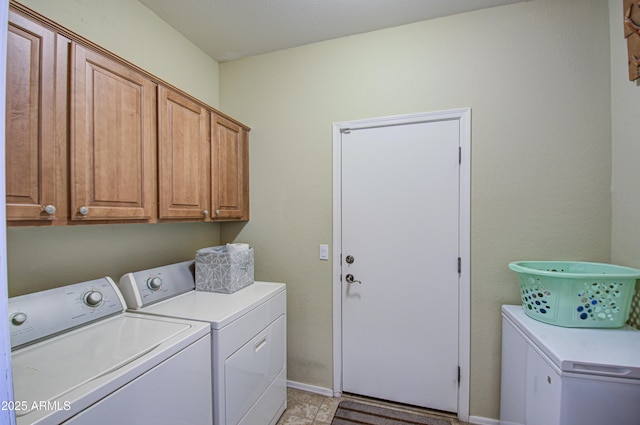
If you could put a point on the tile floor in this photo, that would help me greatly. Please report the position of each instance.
(305, 408)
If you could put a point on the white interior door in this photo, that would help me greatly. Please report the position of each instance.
(400, 225)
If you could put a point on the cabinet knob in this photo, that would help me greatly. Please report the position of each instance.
(217, 212)
(205, 213)
(50, 209)
(84, 210)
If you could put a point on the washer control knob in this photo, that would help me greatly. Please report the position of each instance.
(154, 283)
(18, 319)
(93, 298)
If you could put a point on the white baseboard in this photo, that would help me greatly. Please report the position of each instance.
(478, 420)
(310, 388)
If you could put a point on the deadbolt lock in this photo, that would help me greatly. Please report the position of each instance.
(349, 259)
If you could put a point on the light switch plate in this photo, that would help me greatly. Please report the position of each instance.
(324, 252)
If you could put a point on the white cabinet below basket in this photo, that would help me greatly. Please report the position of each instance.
(543, 389)
(567, 376)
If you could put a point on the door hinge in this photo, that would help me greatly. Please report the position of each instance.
(459, 375)
(459, 265)
(459, 154)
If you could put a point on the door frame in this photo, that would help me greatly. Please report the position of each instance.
(463, 116)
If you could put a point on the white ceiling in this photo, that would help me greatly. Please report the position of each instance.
(231, 29)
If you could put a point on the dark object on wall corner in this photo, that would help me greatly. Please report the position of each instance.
(632, 34)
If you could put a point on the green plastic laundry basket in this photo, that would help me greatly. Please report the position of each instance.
(576, 294)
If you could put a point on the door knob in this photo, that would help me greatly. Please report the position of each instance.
(350, 279)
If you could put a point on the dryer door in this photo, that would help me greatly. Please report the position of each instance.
(250, 370)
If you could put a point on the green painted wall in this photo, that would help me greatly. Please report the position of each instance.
(625, 104)
(536, 75)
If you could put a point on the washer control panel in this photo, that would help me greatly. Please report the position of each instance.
(41, 315)
(150, 286)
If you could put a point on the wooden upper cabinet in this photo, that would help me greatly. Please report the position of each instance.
(229, 170)
(183, 157)
(92, 138)
(113, 140)
(30, 122)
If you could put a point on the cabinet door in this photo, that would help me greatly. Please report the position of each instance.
(113, 140)
(230, 170)
(543, 391)
(30, 121)
(513, 378)
(183, 157)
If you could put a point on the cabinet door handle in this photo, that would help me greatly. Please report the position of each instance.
(260, 345)
(205, 213)
(84, 211)
(50, 209)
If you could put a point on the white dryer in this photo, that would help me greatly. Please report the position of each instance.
(248, 329)
(78, 358)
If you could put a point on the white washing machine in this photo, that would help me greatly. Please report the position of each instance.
(248, 329)
(78, 358)
(567, 376)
